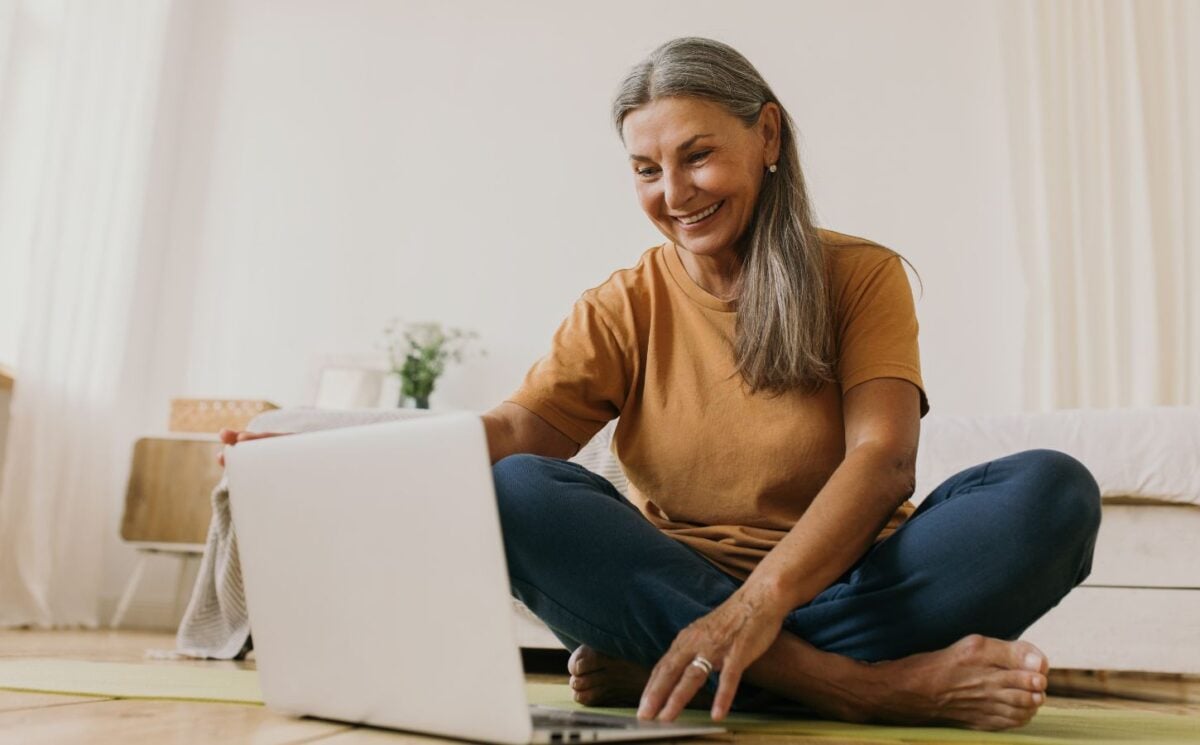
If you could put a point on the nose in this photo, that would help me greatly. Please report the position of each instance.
(677, 189)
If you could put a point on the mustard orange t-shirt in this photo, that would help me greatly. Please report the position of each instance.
(723, 471)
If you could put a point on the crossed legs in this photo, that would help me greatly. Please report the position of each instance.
(920, 629)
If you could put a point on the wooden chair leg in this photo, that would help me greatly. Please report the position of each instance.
(130, 588)
(180, 581)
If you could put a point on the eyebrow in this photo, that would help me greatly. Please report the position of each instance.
(684, 146)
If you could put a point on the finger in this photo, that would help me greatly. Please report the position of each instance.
(731, 676)
(228, 436)
(663, 678)
(650, 702)
(246, 436)
(691, 681)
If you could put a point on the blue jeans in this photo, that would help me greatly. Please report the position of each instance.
(988, 552)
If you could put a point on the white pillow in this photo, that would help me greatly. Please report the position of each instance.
(597, 456)
(1150, 454)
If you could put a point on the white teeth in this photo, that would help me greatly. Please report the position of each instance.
(697, 218)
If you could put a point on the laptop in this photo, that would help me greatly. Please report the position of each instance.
(377, 587)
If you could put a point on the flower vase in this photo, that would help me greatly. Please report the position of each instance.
(413, 402)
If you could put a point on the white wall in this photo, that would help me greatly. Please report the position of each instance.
(344, 162)
(5, 401)
(335, 164)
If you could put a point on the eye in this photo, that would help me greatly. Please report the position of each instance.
(647, 172)
(699, 156)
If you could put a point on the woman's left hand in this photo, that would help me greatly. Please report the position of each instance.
(731, 637)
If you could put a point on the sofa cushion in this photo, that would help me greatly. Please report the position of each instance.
(1140, 546)
(597, 456)
(1149, 454)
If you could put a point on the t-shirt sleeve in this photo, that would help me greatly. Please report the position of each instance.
(877, 324)
(583, 381)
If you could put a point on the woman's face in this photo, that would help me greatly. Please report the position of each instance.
(698, 169)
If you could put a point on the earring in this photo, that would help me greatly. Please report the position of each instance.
(772, 168)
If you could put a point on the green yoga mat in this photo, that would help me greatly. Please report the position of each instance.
(162, 680)
(199, 683)
(1051, 725)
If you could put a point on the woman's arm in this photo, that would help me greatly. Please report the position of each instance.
(513, 429)
(882, 421)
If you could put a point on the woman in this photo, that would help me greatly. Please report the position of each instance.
(768, 385)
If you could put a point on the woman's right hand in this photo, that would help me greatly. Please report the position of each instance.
(233, 437)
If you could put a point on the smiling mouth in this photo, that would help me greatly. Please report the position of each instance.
(699, 217)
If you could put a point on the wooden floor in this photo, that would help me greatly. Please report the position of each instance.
(34, 718)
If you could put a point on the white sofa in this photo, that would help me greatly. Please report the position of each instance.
(1140, 608)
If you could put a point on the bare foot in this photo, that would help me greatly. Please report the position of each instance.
(977, 682)
(599, 680)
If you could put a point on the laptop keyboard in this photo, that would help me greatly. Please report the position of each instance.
(547, 719)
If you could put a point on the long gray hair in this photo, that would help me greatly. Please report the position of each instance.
(784, 334)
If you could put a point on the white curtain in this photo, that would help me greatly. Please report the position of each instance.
(78, 106)
(1104, 102)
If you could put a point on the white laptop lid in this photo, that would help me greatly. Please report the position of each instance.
(375, 577)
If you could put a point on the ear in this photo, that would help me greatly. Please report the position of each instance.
(768, 128)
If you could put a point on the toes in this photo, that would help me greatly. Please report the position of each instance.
(1019, 655)
(1000, 716)
(586, 698)
(581, 683)
(593, 697)
(1022, 680)
(584, 660)
(995, 724)
(1029, 657)
(1017, 715)
(1020, 699)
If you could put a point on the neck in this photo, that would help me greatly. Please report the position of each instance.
(717, 274)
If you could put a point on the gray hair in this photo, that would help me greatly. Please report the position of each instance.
(785, 331)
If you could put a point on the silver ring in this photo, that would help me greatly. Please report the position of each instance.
(703, 664)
